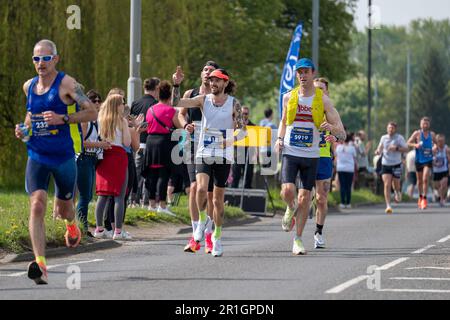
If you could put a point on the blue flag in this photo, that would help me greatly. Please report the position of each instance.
(288, 78)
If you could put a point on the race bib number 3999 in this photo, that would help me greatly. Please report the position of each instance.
(302, 137)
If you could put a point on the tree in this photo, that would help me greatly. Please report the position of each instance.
(431, 93)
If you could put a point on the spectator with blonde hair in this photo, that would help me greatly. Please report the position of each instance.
(112, 173)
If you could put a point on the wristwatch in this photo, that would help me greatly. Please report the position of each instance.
(66, 119)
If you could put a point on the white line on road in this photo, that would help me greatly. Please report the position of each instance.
(355, 281)
(346, 285)
(434, 268)
(444, 239)
(20, 274)
(392, 264)
(414, 290)
(421, 279)
(424, 249)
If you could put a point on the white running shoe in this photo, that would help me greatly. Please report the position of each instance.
(217, 250)
(199, 233)
(165, 211)
(152, 209)
(122, 236)
(298, 248)
(288, 221)
(319, 243)
(103, 234)
(342, 206)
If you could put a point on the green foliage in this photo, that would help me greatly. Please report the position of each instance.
(248, 38)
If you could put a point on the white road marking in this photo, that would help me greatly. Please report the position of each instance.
(355, 281)
(346, 285)
(20, 274)
(444, 239)
(424, 249)
(421, 279)
(434, 268)
(414, 290)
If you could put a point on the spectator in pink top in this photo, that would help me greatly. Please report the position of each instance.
(162, 119)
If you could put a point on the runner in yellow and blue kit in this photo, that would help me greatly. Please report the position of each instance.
(324, 174)
(52, 121)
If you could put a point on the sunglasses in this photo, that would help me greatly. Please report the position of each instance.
(43, 58)
(245, 114)
(96, 101)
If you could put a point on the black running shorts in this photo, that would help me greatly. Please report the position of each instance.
(307, 167)
(218, 172)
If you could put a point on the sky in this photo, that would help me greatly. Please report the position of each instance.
(401, 12)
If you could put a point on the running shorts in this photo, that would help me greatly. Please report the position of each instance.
(307, 167)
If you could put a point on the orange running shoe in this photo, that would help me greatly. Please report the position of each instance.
(38, 273)
(208, 243)
(192, 246)
(424, 203)
(419, 203)
(72, 236)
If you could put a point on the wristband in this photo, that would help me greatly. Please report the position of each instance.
(185, 126)
(280, 138)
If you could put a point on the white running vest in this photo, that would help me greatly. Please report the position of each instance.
(440, 163)
(217, 125)
(302, 137)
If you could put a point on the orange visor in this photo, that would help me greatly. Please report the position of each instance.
(219, 74)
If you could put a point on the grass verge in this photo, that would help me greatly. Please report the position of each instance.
(14, 213)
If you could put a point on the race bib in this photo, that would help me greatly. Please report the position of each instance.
(323, 142)
(213, 138)
(439, 162)
(302, 137)
(427, 152)
(40, 128)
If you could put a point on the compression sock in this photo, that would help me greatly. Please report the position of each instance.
(41, 260)
(319, 229)
(217, 233)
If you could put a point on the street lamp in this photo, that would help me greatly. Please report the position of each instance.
(135, 81)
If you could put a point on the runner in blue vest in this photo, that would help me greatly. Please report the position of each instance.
(422, 140)
(52, 121)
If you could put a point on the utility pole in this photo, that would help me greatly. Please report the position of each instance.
(135, 81)
(369, 76)
(408, 92)
(316, 24)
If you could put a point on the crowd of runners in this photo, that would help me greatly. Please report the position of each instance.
(130, 153)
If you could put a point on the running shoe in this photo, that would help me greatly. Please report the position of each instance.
(217, 250)
(123, 235)
(199, 233)
(208, 243)
(153, 209)
(192, 246)
(298, 249)
(105, 234)
(38, 273)
(419, 202)
(73, 236)
(424, 203)
(288, 221)
(319, 243)
(166, 211)
(389, 210)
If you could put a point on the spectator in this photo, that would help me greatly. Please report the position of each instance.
(161, 119)
(243, 158)
(265, 153)
(411, 172)
(346, 168)
(112, 173)
(140, 107)
(86, 162)
(362, 157)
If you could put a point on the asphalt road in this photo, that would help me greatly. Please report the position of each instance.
(410, 249)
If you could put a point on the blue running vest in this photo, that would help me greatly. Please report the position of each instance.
(425, 153)
(51, 145)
